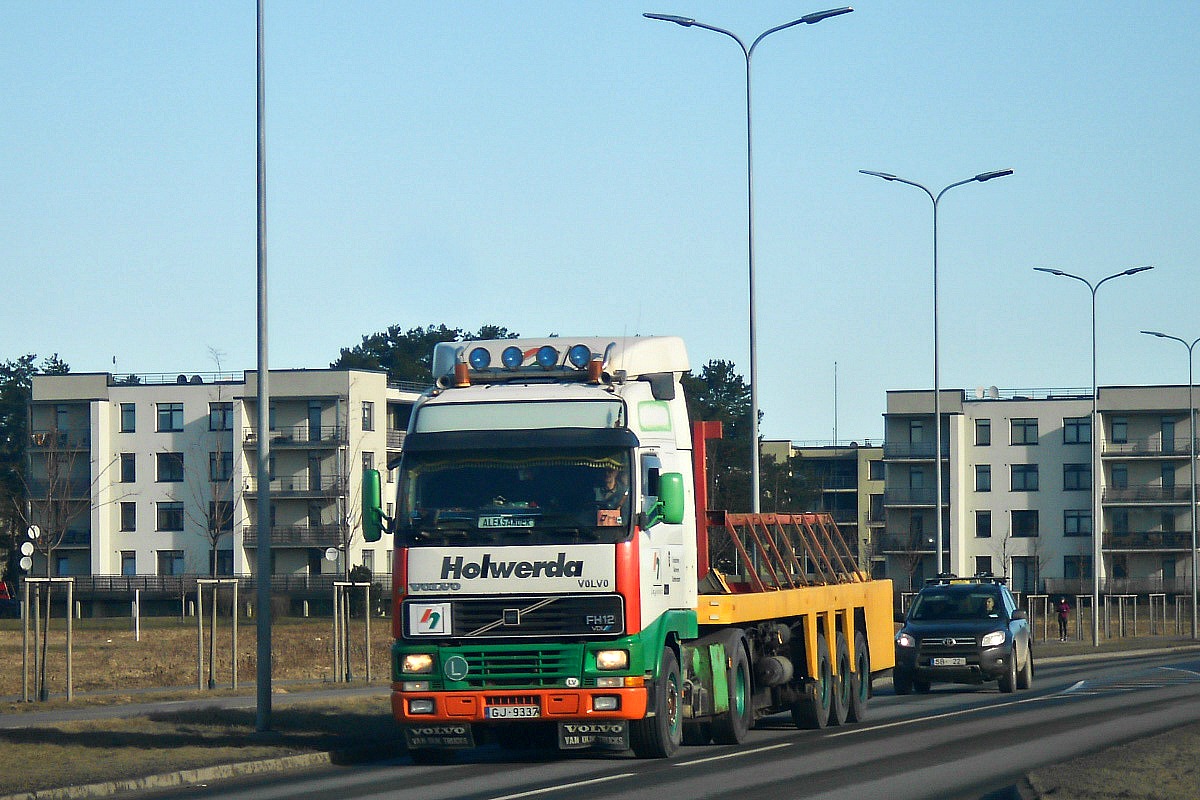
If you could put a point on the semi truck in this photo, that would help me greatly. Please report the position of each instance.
(558, 577)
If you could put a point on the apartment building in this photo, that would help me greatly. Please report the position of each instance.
(1017, 487)
(850, 480)
(157, 474)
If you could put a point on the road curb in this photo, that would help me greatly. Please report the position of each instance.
(188, 777)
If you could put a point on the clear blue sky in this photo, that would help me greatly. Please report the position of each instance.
(573, 168)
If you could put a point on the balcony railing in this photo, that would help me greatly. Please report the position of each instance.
(73, 490)
(913, 497)
(301, 486)
(1147, 540)
(395, 439)
(296, 536)
(1146, 494)
(913, 450)
(301, 436)
(904, 543)
(1148, 448)
(66, 439)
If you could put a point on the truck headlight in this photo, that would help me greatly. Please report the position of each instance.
(612, 659)
(417, 663)
(905, 640)
(992, 639)
(606, 703)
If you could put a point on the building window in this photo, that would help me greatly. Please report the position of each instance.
(170, 417)
(128, 418)
(62, 566)
(1024, 430)
(1120, 476)
(1077, 430)
(983, 524)
(368, 560)
(1024, 478)
(170, 468)
(983, 432)
(170, 517)
(1024, 523)
(1120, 521)
(170, 562)
(983, 565)
(368, 415)
(220, 416)
(368, 460)
(1077, 477)
(983, 477)
(128, 468)
(916, 431)
(1077, 522)
(1120, 430)
(1168, 521)
(224, 562)
(875, 470)
(220, 466)
(220, 516)
(1076, 567)
(128, 562)
(128, 516)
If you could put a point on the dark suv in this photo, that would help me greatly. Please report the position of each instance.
(963, 630)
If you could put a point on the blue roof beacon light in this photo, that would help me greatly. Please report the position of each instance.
(579, 355)
(480, 358)
(547, 356)
(512, 357)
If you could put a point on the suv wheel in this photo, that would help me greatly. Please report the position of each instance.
(1008, 681)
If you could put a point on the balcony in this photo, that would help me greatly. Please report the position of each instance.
(301, 437)
(913, 451)
(395, 440)
(1146, 494)
(60, 440)
(295, 536)
(60, 490)
(300, 486)
(1148, 448)
(904, 543)
(921, 497)
(1147, 540)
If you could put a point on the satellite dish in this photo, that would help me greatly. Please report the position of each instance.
(27, 563)
(993, 393)
(331, 554)
(26, 548)
(978, 392)
(181, 378)
(33, 532)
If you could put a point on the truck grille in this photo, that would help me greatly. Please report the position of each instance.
(525, 617)
(521, 667)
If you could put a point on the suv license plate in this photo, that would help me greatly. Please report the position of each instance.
(949, 662)
(513, 712)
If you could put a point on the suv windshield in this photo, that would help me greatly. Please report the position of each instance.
(519, 495)
(932, 605)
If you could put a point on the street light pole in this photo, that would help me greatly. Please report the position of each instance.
(937, 389)
(748, 52)
(1191, 459)
(1097, 528)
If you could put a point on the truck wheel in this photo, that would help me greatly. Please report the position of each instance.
(812, 711)
(697, 733)
(1008, 681)
(842, 689)
(902, 682)
(661, 735)
(860, 681)
(732, 726)
(1025, 676)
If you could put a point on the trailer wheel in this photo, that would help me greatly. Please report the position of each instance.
(661, 735)
(732, 726)
(839, 707)
(860, 681)
(812, 711)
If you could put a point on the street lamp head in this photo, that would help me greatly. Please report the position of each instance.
(1050, 270)
(686, 22)
(887, 176)
(996, 173)
(817, 16)
(1156, 333)
(1135, 270)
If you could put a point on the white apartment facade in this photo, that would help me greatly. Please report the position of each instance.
(1017, 488)
(163, 469)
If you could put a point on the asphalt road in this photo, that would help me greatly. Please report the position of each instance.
(956, 742)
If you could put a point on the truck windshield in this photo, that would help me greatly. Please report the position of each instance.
(510, 496)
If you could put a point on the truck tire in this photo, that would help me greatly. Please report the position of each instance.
(1008, 681)
(661, 735)
(812, 711)
(839, 706)
(1025, 676)
(732, 726)
(860, 681)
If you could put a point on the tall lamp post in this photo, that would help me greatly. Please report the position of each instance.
(748, 52)
(1097, 532)
(1191, 458)
(937, 393)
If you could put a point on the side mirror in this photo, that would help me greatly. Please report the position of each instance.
(670, 496)
(372, 506)
(1020, 614)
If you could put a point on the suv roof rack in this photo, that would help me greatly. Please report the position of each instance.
(948, 578)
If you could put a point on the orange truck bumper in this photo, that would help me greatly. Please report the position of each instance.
(553, 704)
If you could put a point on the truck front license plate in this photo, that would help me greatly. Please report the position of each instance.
(513, 712)
(949, 662)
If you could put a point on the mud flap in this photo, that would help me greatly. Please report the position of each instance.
(453, 736)
(612, 735)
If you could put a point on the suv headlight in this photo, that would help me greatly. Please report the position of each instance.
(993, 639)
(905, 640)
